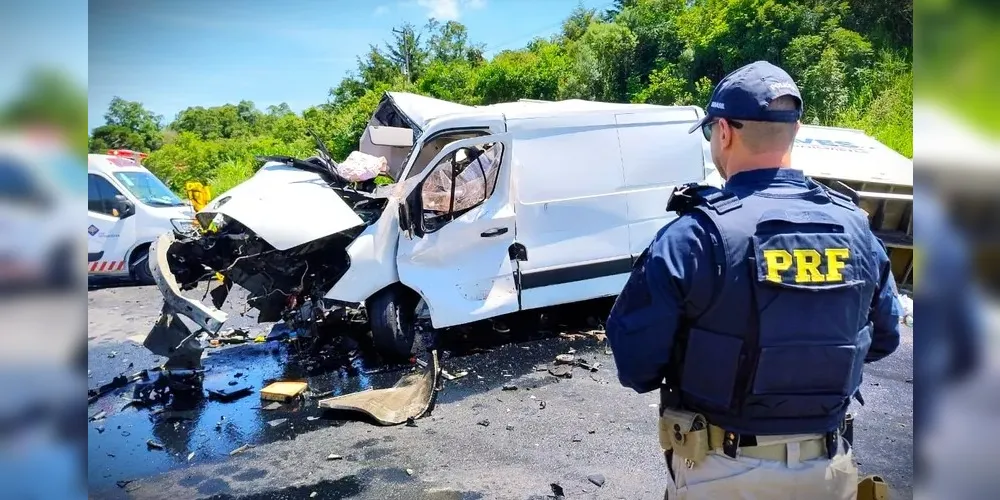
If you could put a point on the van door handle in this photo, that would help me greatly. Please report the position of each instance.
(497, 231)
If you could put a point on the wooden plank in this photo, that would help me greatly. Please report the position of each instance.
(283, 391)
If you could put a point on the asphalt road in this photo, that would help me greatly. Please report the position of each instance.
(546, 431)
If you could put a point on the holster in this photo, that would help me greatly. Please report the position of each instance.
(685, 433)
(873, 488)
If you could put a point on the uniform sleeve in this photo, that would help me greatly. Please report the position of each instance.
(670, 280)
(886, 310)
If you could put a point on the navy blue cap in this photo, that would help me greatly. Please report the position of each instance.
(745, 93)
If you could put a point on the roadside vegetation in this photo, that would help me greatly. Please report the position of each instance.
(852, 60)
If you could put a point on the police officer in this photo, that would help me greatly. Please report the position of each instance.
(755, 310)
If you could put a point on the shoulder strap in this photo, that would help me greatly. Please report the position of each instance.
(848, 199)
(693, 195)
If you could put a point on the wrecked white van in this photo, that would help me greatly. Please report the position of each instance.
(494, 209)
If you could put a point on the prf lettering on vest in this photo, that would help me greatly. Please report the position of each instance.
(807, 263)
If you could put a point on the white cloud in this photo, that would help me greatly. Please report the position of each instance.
(381, 10)
(449, 10)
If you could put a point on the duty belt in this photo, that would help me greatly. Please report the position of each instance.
(688, 435)
(733, 444)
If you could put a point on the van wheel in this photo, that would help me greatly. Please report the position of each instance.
(139, 267)
(391, 314)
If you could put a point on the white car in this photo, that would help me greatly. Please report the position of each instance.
(127, 208)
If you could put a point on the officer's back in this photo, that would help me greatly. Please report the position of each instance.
(755, 310)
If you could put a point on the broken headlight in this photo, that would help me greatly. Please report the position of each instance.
(186, 227)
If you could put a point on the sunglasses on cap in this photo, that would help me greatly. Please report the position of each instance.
(706, 129)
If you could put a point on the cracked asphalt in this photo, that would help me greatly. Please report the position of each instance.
(480, 441)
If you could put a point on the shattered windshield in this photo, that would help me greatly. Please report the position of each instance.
(148, 189)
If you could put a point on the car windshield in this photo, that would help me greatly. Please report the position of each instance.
(148, 189)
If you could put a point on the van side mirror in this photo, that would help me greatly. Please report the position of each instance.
(125, 207)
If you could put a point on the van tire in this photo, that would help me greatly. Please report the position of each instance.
(139, 267)
(391, 315)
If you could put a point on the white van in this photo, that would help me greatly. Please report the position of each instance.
(127, 208)
(551, 202)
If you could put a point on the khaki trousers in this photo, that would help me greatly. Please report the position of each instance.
(719, 477)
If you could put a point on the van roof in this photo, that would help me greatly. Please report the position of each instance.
(849, 154)
(111, 163)
(421, 110)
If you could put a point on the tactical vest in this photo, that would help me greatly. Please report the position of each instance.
(782, 347)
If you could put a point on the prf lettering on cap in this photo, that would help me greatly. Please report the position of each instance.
(807, 263)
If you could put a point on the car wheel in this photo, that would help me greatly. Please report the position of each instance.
(391, 314)
(139, 268)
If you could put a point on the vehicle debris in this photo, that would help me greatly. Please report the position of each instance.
(557, 490)
(509, 387)
(410, 397)
(587, 366)
(561, 371)
(510, 427)
(228, 394)
(272, 406)
(453, 376)
(283, 391)
(565, 358)
(97, 416)
(409, 472)
(484, 422)
(276, 422)
(576, 438)
(153, 445)
(241, 449)
(334, 456)
(597, 479)
(190, 456)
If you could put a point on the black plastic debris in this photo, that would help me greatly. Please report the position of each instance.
(557, 490)
(510, 427)
(232, 393)
(410, 422)
(122, 484)
(597, 479)
(541, 405)
(485, 422)
(509, 387)
(577, 439)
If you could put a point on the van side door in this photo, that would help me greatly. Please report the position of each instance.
(457, 229)
(658, 154)
(108, 230)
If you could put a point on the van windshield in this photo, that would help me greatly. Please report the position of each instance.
(148, 189)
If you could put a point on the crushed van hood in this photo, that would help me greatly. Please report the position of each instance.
(285, 206)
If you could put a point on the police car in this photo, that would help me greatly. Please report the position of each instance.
(127, 208)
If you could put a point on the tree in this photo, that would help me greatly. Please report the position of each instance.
(577, 23)
(448, 42)
(131, 125)
(405, 51)
(49, 99)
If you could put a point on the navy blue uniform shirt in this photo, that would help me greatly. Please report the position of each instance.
(679, 281)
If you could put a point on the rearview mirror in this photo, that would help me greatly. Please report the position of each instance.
(125, 207)
(390, 136)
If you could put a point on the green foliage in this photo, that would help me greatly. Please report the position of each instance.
(850, 58)
(49, 99)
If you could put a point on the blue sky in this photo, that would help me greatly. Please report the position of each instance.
(173, 54)
(51, 33)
